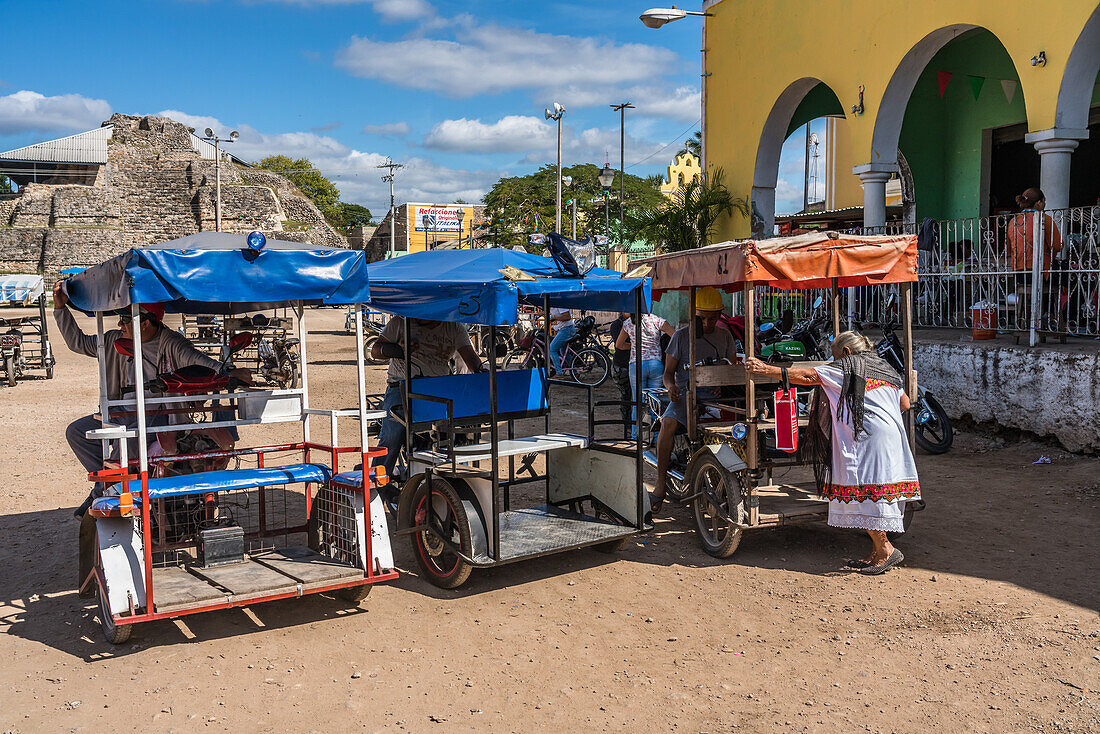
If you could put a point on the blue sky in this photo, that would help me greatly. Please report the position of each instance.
(456, 91)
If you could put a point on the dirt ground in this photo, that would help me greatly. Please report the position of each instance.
(990, 625)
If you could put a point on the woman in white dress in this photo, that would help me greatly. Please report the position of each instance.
(872, 472)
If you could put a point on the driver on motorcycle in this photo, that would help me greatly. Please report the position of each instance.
(163, 350)
(711, 344)
(433, 346)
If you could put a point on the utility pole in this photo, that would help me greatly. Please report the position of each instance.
(391, 166)
(212, 138)
(621, 109)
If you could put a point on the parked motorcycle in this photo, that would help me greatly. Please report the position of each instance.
(934, 432)
(278, 354)
(801, 341)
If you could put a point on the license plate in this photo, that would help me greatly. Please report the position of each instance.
(10, 340)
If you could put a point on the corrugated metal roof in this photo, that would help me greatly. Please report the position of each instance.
(86, 147)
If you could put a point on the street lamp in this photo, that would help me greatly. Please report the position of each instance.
(559, 110)
(606, 179)
(657, 17)
(212, 138)
(621, 109)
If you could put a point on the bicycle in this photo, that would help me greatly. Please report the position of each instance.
(584, 361)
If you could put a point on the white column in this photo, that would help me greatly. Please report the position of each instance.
(1055, 147)
(874, 177)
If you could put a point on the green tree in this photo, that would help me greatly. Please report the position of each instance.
(5, 185)
(520, 205)
(694, 145)
(353, 215)
(689, 219)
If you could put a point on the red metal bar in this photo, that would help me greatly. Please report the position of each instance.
(147, 540)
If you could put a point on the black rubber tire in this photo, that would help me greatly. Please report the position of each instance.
(514, 360)
(293, 381)
(438, 565)
(927, 438)
(590, 366)
(718, 537)
(49, 372)
(354, 594)
(9, 370)
(116, 634)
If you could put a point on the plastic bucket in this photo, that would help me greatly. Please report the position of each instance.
(983, 321)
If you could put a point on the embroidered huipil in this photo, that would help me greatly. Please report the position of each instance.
(874, 475)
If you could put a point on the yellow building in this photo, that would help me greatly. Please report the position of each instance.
(682, 170)
(963, 104)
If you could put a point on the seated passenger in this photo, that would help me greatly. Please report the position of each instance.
(433, 346)
(711, 344)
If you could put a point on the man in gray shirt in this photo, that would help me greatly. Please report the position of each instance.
(711, 344)
(162, 350)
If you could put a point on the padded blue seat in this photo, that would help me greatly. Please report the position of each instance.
(349, 478)
(219, 481)
(520, 394)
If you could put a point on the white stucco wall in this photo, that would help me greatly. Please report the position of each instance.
(1044, 391)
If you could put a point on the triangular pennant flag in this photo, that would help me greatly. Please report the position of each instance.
(943, 77)
(976, 83)
(1009, 87)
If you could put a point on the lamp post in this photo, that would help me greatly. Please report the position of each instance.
(556, 115)
(568, 181)
(621, 109)
(657, 17)
(212, 138)
(391, 166)
(606, 179)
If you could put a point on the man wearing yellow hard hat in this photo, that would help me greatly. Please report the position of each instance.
(711, 343)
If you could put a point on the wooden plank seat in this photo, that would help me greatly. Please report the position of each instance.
(214, 481)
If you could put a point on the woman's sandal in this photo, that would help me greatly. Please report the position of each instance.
(655, 502)
(895, 558)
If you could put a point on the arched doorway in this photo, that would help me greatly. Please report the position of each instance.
(955, 108)
(1078, 113)
(803, 100)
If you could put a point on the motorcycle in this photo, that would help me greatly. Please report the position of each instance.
(934, 432)
(278, 354)
(11, 352)
(802, 341)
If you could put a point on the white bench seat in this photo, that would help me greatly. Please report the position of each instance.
(473, 453)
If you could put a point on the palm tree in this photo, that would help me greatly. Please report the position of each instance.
(694, 145)
(689, 218)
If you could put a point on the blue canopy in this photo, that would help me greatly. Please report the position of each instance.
(216, 272)
(468, 286)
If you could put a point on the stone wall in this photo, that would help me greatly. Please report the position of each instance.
(1047, 392)
(155, 187)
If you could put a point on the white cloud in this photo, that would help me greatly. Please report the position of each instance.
(509, 134)
(353, 171)
(387, 128)
(491, 59)
(391, 11)
(27, 111)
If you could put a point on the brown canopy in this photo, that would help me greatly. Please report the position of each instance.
(803, 261)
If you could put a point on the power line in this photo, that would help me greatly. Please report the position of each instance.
(668, 145)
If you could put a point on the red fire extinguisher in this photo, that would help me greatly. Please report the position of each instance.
(786, 416)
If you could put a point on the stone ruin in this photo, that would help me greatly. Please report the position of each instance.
(154, 187)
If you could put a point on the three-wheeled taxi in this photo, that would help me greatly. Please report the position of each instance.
(466, 432)
(730, 478)
(24, 340)
(198, 520)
